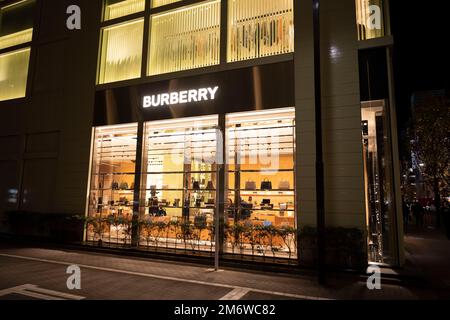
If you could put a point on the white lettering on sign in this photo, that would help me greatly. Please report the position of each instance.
(181, 97)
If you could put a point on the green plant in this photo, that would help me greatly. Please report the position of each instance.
(260, 239)
(172, 225)
(250, 234)
(235, 234)
(187, 232)
(288, 235)
(212, 234)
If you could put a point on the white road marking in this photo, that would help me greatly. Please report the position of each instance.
(155, 276)
(235, 294)
(34, 291)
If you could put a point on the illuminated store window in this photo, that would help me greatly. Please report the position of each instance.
(112, 184)
(121, 52)
(178, 195)
(379, 187)
(16, 31)
(119, 8)
(185, 38)
(160, 3)
(14, 74)
(370, 19)
(260, 207)
(259, 28)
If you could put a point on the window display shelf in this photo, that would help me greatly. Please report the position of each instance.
(114, 174)
(261, 171)
(116, 205)
(273, 192)
(115, 190)
(179, 172)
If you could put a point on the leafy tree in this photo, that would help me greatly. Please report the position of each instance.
(430, 139)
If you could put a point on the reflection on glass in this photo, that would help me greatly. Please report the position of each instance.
(259, 28)
(121, 52)
(112, 184)
(178, 194)
(185, 38)
(119, 8)
(260, 150)
(370, 19)
(159, 3)
(378, 175)
(14, 74)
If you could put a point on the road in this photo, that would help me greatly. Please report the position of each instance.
(39, 273)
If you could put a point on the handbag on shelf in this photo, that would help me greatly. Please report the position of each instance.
(210, 185)
(176, 202)
(124, 186)
(283, 206)
(115, 185)
(250, 185)
(284, 185)
(200, 221)
(266, 184)
(165, 186)
(161, 212)
(196, 185)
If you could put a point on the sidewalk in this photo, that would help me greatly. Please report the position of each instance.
(428, 250)
(339, 287)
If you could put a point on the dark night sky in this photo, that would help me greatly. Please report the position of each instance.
(421, 57)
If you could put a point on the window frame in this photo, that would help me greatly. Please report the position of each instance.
(30, 44)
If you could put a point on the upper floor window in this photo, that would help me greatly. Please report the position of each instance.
(185, 38)
(160, 3)
(16, 32)
(370, 19)
(259, 28)
(119, 8)
(121, 51)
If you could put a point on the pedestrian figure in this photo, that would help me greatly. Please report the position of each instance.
(418, 213)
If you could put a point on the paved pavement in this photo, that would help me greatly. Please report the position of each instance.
(428, 251)
(24, 270)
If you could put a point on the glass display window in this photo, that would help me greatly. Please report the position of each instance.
(260, 187)
(178, 189)
(112, 183)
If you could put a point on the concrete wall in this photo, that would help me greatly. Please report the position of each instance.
(60, 105)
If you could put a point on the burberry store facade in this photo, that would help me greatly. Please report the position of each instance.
(202, 132)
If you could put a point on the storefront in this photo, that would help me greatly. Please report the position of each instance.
(180, 154)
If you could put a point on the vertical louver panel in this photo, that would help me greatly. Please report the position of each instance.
(185, 38)
(259, 28)
(115, 9)
(121, 55)
(160, 3)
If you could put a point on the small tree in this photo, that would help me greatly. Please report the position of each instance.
(287, 234)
